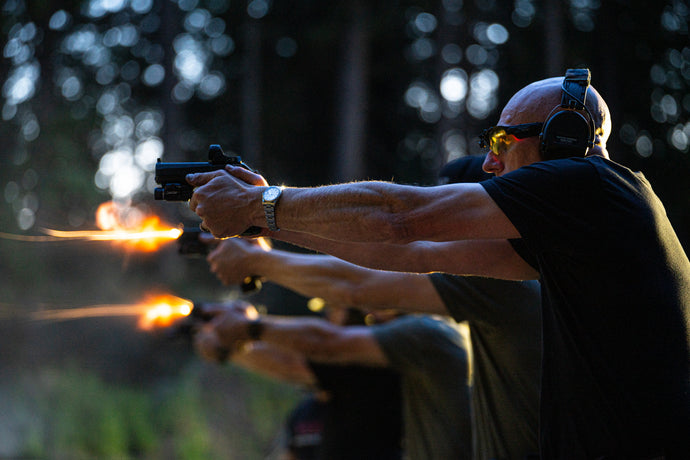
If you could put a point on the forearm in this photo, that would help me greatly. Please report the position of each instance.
(271, 361)
(359, 212)
(385, 212)
(344, 284)
(380, 256)
(312, 275)
(319, 340)
(492, 258)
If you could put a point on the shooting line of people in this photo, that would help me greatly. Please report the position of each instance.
(534, 304)
(563, 266)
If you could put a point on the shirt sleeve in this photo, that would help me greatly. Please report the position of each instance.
(486, 300)
(409, 341)
(550, 203)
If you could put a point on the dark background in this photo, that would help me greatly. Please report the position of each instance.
(309, 93)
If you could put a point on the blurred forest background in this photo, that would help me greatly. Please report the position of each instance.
(308, 92)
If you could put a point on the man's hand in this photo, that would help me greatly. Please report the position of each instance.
(234, 259)
(226, 200)
(226, 332)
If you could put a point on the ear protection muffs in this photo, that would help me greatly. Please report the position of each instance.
(569, 129)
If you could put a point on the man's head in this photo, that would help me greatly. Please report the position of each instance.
(533, 104)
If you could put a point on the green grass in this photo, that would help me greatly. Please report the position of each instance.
(204, 413)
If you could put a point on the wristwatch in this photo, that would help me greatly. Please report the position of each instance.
(269, 200)
(255, 329)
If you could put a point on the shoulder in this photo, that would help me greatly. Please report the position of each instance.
(419, 327)
(561, 169)
(547, 181)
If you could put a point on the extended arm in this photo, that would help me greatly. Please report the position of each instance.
(360, 211)
(271, 361)
(491, 258)
(313, 338)
(338, 282)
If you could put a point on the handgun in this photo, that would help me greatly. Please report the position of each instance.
(187, 325)
(185, 328)
(173, 183)
(190, 244)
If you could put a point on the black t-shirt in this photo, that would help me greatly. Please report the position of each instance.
(363, 417)
(616, 308)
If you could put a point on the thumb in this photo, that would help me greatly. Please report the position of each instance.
(246, 175)
(199, 179)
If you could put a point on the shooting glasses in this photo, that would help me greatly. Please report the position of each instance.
(499, 138)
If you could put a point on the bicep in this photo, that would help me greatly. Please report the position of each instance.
(353, 345)
(490, 258)
(411, 292)
(450, 213)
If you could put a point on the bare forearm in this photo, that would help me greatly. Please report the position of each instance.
(345, 284)
(388, 213)
(312, 275)
(383, 256)
(360, 212)
(492, 258)
(271, 361)
(320, 340)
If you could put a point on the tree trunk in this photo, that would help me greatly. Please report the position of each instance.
(251, 94)
(173, 116)
(554, 26)
(352, 97)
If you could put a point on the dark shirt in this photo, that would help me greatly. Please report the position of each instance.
(363, 416)
(504, 318)
(430, 353)
(616, 308)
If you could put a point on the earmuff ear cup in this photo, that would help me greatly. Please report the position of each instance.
(566, 134)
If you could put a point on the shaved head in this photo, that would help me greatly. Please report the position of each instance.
(534, 103)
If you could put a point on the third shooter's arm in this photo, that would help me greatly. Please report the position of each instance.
(315, 339)
(275, 362)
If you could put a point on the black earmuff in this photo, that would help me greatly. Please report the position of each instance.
(567, 131)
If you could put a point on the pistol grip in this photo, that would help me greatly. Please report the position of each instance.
(251, 231)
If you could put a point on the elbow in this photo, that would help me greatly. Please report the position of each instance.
(396, 229)
(357, 295)
(353, 287)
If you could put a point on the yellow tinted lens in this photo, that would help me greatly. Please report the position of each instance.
(500, 141)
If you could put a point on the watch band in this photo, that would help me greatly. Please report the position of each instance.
(270, 207)
(270, 212)
(255, 329)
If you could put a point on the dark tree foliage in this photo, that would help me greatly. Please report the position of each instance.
(94, 91)
(309, 92)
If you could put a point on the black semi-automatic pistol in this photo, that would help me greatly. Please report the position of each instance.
(173, 183)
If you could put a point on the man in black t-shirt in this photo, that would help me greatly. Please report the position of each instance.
(503, 318)
(615, 279)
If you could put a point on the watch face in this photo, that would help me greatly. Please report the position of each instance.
(271, 193)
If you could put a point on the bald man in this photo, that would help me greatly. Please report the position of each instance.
(615, 279)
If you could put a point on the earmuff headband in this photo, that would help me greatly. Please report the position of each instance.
(575, 86)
